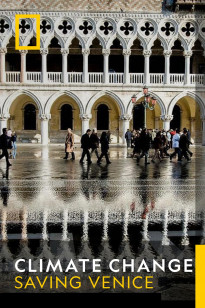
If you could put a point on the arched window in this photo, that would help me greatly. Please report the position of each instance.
(30, 117)
(138, 116)
(102, 117)
(176, 122)
(66, 117)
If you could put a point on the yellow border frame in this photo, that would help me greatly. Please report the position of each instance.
(22, 16)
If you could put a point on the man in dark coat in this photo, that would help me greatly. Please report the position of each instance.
(4, 140)
(184, 145)
(86, 145)
(145, 140)
(94, 141)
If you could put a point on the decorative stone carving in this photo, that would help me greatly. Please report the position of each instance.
(44, 51)
(166, 117)
(147, 53)
(3, 50)
(4, 116)
(85, 116)
(106, 52)
(167, 53)
(187, 53)
(126, 117)
(45, 117)
(126, 52)
(86, 51)
(64, 51)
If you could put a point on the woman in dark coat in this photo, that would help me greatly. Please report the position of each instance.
(104, 148)
(69, 145)
(157, 144)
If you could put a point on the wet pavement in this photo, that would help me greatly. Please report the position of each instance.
(58, 209)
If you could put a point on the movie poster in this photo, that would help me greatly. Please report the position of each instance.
(102, 124)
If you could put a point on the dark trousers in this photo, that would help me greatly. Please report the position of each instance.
(5, 153)
(72, 153)
(95, 150)
(85, 152)
(104, 153)
(184, 153)
(175, 153)
(144, 153)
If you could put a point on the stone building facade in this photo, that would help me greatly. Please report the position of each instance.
(93, 57)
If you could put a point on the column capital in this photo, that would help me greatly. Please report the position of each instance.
(64, 51)
(85, 116)
(86, 51)
(187, 53)
(126, 52)
(45, 116)
(106, 52)
(147, 53)
(126, 117)
(3, 50)
(166, 117)
(23, 52)
(44, 51)
(192, 119)
(4, 116)
(167, 53)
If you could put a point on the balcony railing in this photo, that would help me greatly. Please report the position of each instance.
(98, 78)
(13, 76)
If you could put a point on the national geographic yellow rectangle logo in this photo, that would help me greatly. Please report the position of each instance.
(199, 276)
(24, 16)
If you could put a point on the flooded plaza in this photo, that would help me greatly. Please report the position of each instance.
(56, 209)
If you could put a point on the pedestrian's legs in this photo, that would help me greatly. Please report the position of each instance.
(73, 155)
(83, 155)
(107, 158)
(99, 159)
(88, 156)
(146, 157)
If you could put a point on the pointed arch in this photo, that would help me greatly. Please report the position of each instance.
(100, 94)
(193, 95)
(10, 99)
(56, 95)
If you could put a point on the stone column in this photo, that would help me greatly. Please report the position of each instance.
(185, 239)
(4, 224)
(187, 55)
(85, 53)
(167, 54)
(125, 125)
(126, 54)
(85, 122)
(166, 121)
(105, 225)
(165, 239)
(64, 53)
(3, 52)
(3, 121)
(44, 128)
(147, 54)
(106, 53)
(23, 77)
(65, 225)
(85, 226)
(44, 53)
(203, 130)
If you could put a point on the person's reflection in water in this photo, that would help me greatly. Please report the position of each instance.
(85, 176)
(181, 171)
(5, 191)
(156, 171)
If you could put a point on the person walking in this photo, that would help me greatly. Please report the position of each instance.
(157, 144)
(94, 141)
(145, 140)
(137, 146)
(104, 148)
(184, 145)
(175, 145)
(189, 138)
(13, 140)
(69, 144)
(128, 137)
(85, 145)
(5, 145)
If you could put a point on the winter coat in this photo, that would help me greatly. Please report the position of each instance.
(85, 142)
(69, 143)
(94, 141)
(104, 143)
(175, 141)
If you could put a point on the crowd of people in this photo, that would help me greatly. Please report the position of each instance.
(140, 140)
(161, 141)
